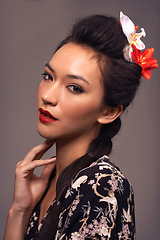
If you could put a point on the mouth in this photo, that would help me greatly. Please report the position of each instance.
(46, 117)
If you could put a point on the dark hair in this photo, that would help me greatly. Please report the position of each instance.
(120, 79)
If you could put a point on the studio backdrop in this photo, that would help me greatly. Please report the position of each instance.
(30, 30)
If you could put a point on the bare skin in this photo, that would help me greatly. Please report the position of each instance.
(72, 92)
(47, 200)
(28, 190)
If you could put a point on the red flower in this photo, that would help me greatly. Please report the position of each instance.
(145, 60)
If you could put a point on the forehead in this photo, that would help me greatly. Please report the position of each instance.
(74, 49)
(77, 59)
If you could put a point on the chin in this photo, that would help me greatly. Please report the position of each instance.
(45, 134)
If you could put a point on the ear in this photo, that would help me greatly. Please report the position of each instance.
(110, 114)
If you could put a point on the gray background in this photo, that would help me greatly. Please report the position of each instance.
(29, 31)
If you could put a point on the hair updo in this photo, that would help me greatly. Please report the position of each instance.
(120, 79)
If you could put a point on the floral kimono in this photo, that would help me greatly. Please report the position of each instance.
(99, 204)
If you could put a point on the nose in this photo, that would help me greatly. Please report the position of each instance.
(50, 95)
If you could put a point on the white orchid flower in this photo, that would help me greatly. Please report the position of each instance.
(129, 30)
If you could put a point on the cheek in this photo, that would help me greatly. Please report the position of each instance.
(38, 97)
(39, 93)
(81, 110)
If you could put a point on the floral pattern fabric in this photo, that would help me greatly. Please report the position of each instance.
(99, 204)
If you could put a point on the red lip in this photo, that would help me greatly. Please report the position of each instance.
(46, 117)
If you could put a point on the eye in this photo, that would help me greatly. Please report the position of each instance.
(47, 76)
(75, 89)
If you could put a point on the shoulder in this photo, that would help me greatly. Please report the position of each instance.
(104, 174)
(102, 181)
(99, 201)
(101, 165)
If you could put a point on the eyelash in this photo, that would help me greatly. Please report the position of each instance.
(75, 88)
(45, 75)
(78, 89)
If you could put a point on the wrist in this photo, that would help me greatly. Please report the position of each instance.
(22, 215)
(21, 210)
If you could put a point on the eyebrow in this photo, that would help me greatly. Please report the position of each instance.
(73, 76)
(49, 66)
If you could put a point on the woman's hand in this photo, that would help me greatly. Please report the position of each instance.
(29, 188)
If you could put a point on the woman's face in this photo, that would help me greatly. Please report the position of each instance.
(72, 92)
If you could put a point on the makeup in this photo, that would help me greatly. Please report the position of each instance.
(46, 117)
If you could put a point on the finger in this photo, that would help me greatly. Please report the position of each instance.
(19, 163)
(24, 170)
(37, 152)
(48, 170)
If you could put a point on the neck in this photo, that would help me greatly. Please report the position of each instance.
(70, 150)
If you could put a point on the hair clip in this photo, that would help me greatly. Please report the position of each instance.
(133, 51)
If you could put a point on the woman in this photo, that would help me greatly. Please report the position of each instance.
(86, 86)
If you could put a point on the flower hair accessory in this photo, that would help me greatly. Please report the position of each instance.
(132, 52)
